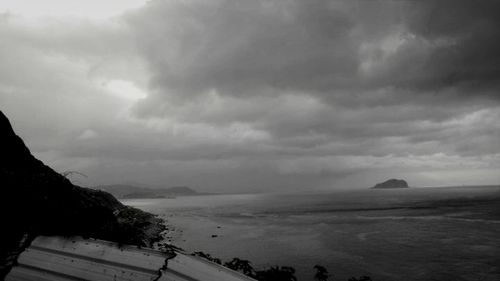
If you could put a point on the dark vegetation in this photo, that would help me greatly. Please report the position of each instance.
(321, 273)
(36, 200)
(274, 273)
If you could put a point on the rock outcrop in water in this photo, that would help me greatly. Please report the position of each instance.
(36, 200)
(392, 183)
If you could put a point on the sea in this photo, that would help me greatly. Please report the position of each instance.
(446, 233)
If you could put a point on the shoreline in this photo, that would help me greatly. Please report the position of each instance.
(284, 235)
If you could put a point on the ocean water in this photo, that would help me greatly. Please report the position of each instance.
(403, 234)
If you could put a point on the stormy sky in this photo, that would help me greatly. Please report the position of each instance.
(256, 96)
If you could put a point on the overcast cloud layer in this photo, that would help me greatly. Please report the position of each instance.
(272, 95)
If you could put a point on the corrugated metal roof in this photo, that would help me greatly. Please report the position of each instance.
(62, 259)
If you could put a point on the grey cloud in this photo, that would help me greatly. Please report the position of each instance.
(79, 38)
(260, 94)
(243, 48)
(46, 76)
(422, 67)
(466, 43)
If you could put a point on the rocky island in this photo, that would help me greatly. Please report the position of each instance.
(392, 183)
(36, 200)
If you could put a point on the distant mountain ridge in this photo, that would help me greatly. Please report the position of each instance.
(125, 191)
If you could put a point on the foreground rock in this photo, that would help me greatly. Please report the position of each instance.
(392, 183)
(35, 200)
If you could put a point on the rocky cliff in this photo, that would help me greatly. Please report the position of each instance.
(36, 200)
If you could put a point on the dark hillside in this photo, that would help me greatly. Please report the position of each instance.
(37, 200)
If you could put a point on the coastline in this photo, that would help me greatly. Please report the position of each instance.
(346, 242)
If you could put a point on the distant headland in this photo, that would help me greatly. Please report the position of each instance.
(123, 191)
(392, 183)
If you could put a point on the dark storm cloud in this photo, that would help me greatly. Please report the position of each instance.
(331, 78)
(246, 47)
(256, 94)
(465, 40)
(338, 51)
